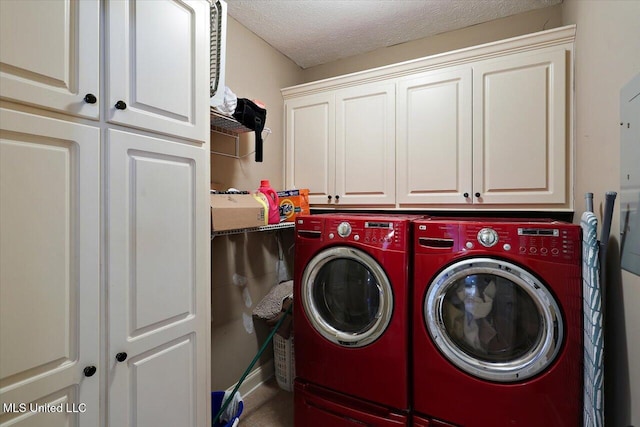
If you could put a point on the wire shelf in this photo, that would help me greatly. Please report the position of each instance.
(226, 125)
(269, 227)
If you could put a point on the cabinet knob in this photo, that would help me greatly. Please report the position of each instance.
(121, 105)
(90, 98)
(121, 357)
(477, 194)
(466, 195)
(329, 197)
(89, 371)
(337, 197)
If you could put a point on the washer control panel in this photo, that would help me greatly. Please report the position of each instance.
(380, 233)
(545, 240)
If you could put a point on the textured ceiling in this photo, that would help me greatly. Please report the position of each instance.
(313, 32)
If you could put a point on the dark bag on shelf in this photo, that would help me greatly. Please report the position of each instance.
(253, 117)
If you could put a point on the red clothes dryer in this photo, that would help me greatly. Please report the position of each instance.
(497, 338)
(351, 316)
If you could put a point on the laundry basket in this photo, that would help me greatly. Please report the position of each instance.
(285, 366)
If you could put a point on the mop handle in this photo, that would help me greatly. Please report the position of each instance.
(589, 201)
(253, 362)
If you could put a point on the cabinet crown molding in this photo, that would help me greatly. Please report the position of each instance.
(528, 42)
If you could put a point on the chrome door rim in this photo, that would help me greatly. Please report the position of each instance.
(536, 360)
(383, 315)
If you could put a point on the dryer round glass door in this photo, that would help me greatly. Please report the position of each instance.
(493, 319)
(347, 296)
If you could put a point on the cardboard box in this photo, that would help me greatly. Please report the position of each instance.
(234, 211)
(293, 203)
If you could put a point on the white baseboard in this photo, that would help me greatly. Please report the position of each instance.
(255, 378)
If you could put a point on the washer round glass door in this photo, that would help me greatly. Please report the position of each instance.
(493, 319)
(347, 296)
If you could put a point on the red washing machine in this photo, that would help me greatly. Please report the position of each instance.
(351, 289)
(497, 338)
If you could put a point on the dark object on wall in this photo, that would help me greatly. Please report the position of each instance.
(253, 117)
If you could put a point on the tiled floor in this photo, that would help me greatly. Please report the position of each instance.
(268, 406)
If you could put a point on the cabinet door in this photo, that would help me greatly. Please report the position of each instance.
(158, 255)
(158, 66)
(519, 136)
(49, 271)
(365, 145)
(434, 138)
(310, 146)
(49, 54)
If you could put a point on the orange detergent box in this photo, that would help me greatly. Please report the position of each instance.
(293, 203)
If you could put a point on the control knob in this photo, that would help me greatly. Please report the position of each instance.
(344, 229)
(487, 237)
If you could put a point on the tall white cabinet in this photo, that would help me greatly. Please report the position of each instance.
(104, 210)
(487, 127)
(50, 325)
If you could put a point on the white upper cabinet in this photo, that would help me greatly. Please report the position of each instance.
(156, 81)
(519, 129)
(513, 151)
(434, 138)
(487, 127)
(49, 58)
(365, 145)
(341, 145)
(311, 145)
(49, 55)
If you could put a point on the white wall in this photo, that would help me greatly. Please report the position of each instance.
(498, 29)
(254, 70)
(607, 56)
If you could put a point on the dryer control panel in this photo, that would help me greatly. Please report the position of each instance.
(556, 242)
